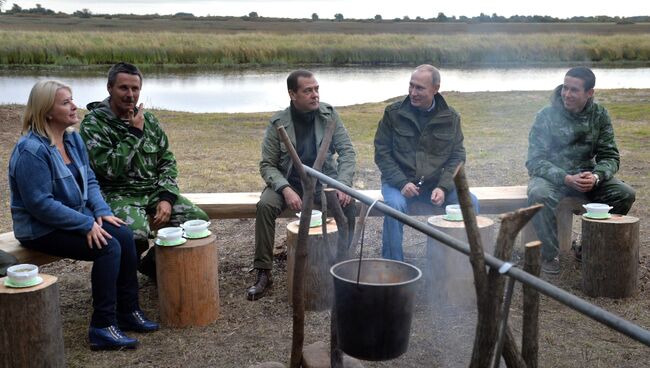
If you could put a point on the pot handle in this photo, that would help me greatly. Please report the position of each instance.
(363, 233)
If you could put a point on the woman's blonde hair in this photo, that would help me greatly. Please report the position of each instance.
(39, 104)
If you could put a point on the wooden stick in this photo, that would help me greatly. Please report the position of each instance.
(529, 338)
(486, 325)
(511, 224)
(308, 186)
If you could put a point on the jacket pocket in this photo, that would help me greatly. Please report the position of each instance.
(404, 140)
(440, 144)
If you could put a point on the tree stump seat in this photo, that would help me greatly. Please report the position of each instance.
(319, 288)
(32, 333)
(188, 283)
(610, 256)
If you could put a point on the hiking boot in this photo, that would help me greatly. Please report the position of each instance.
(551, 266)
(262, 285)
(577, 251)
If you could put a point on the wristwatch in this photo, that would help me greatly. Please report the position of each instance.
(597, 179)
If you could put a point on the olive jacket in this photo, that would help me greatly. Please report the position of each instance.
(405, 153)
(276, 164)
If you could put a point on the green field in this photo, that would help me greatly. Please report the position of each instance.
(237, 43)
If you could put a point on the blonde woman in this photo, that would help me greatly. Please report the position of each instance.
(57, 208)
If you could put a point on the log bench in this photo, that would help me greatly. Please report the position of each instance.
(493, 200)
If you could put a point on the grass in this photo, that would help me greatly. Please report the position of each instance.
(228, 50)
(219, 152)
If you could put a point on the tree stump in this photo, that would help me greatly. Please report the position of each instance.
(188, 283)
(452, 280)
(320, 254)
(610, 256)
(32, 334)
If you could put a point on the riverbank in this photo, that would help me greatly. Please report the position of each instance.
(220, 152)
(237, 43)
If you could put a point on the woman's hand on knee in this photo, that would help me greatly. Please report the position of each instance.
(116, 221)
(97, 236)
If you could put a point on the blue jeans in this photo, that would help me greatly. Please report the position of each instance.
(394, 230)
(113, 277)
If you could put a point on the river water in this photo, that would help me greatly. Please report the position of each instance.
(251, 90)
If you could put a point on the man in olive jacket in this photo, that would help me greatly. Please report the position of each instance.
(418, 145)
(305, 121)
(572, 152)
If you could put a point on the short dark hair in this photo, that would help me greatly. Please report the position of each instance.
(585, 74)
(122, 67)
(292, 79)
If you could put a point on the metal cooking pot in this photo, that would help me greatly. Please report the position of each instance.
(374, 314)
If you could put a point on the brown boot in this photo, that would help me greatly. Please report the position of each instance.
(262, 284)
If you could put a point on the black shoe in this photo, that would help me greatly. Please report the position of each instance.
(577, 251)
(262, 284)
(147, 264)
(110, 338)
(136, 321)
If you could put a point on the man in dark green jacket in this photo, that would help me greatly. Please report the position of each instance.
(572, 152)
(304, 120)
(418, 145)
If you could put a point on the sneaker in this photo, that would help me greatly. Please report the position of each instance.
(551, 266)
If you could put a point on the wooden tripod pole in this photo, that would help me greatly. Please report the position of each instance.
(308, 186)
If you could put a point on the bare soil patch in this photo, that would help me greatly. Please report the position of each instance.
(250, 332)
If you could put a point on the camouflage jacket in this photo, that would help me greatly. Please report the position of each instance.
(562, 143)
(125, 162)
(276, 165)
(404, 153)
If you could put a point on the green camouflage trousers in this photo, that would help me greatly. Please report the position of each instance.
(135, 211)
(613, 192)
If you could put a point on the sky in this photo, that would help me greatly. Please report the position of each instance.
(361, 9)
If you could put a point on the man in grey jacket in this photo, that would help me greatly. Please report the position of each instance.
(304, 120)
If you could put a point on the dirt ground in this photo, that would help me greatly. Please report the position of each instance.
(250, 332)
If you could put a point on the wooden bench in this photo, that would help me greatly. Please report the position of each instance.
(493, 200)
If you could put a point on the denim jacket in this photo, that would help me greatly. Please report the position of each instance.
(45, 195)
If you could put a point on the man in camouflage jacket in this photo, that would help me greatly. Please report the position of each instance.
(572, 152)
(130, 155)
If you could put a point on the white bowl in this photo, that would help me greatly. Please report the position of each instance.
(316, 218)
(170, 234)
(597, 208)
(453, 211)
(195, 227)
(22, 274)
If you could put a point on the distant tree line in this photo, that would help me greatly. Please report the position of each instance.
(440, 18)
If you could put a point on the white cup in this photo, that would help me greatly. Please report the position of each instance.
(195, 227)
(22, 274)
(454, 212)
(597, 209)
(316, 218)
(170, 234)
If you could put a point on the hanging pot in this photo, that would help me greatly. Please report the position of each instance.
(374, 306)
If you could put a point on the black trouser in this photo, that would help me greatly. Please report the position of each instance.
(113, 277)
